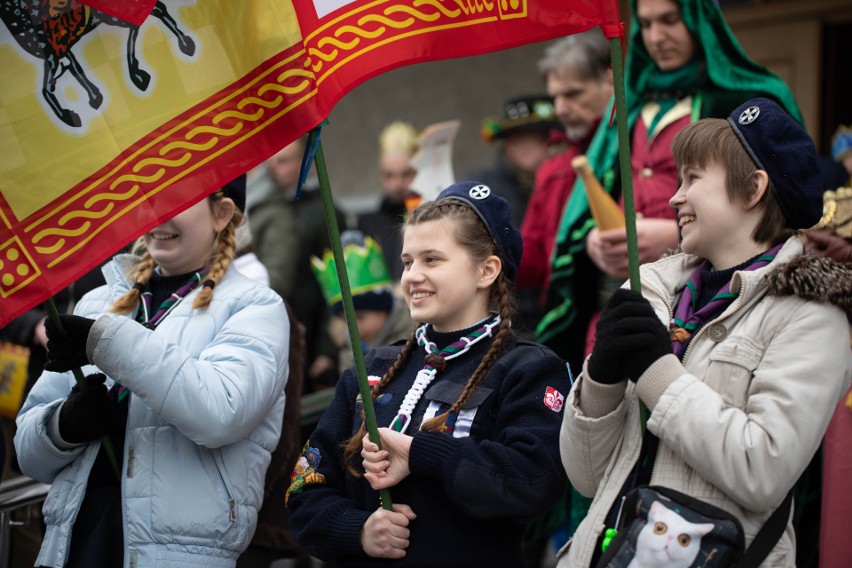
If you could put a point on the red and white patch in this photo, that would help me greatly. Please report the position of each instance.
(373, 380)
(553, 399)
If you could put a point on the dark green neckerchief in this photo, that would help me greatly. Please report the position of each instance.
(667, 87)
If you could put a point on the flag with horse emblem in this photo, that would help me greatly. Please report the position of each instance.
(116, 115)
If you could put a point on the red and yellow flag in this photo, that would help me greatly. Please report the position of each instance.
(108, 127)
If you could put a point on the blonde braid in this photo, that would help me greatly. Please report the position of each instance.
(225, 253)
(352, 446)
(141, 274)
(504, 301)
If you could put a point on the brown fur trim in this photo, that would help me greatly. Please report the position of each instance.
(814, 278)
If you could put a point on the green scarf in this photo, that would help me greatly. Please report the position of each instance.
(729, 78)
(667, 87)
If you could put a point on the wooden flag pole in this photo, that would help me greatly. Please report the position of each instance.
(624, 161)
(348, 306)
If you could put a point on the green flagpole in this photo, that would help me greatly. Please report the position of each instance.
(624, 161)
(348, 306)
(53, 314)
(626, 181)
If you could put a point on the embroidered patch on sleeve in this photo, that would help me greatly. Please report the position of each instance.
(305, 472)
(553, 399)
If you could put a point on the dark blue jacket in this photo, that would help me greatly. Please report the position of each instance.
(472, 495)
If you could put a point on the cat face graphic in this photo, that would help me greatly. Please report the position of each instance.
(668, 540)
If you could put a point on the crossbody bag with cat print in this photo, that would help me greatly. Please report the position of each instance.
(664, 528)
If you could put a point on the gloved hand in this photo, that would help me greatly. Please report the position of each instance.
(629, 338)
(88, 414)
(66, 348)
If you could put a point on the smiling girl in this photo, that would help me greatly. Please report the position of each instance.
(185, 362)
(469, 414)
(738, 345)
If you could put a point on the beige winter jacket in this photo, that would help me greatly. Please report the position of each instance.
(740, 419)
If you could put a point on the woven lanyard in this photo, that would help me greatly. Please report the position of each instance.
(145, 317)
(687, 319)
(436, 360)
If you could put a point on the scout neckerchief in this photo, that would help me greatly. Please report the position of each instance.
(687, 319)
(436, 360)
(151, 320)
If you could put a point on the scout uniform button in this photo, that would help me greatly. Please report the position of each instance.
(717, 332)
(647, 172)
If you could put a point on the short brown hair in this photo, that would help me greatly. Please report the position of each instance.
(713, 141)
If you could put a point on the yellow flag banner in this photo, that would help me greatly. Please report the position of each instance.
(110, 127)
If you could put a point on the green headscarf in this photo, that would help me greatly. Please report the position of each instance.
(728, 79)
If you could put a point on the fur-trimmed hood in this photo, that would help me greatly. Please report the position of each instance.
(814, 278)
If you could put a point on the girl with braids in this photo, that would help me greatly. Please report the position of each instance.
(468, 413)
(185, 362)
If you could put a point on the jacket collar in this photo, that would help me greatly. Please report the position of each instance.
(792, 273)
(668, 276)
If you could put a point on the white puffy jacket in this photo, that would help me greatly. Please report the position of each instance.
(205, 414)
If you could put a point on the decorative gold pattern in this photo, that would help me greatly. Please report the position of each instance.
(183, 148)
(223, 124)
(837, 212)
(17, 268)
(340, 40)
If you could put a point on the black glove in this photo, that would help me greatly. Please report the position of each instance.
(629, 338)
(88, 414)
(66, 348)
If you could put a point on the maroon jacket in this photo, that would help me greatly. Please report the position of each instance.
(553, 182)
(654, 171)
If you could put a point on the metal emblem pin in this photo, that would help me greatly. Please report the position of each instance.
(749, 115)
(479, 191)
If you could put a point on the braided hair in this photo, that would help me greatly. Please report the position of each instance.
(140, 274)
(471, 233)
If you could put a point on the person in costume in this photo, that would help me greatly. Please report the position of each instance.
(397, 146)
(381, 313)
(683, 64)
(522, 139)
(469, 414)
(737, 346)
(185, 364)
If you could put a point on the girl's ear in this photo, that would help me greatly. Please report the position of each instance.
(760, 181)
(223, 210)
(489, 271)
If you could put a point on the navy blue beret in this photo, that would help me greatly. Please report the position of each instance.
(495, 212)
(236, 190)
(785, 151)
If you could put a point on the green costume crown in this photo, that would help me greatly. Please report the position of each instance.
(365, 267)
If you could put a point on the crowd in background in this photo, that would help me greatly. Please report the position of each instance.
(683, 65)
